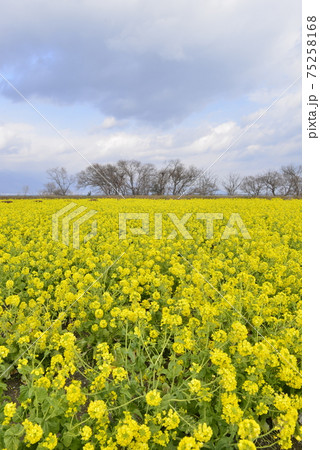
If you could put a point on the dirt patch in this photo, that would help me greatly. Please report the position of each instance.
(13, 387)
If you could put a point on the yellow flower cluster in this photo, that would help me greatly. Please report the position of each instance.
(249, 429)
(33, 432)
(50, 442)
(132, 435)
(153, 398)
(9, 411)
(145, 341)
(97, 409)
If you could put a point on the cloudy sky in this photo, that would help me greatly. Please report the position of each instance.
(148, 80)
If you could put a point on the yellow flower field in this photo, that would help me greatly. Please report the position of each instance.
(154, 340)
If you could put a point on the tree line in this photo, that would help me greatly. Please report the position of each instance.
(134, 178)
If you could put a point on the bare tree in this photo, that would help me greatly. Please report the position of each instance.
(137, 177)
(106, 179)
(146, 174)
(181, 178)
(25, 189)
(272, 182)
(123, 178)
(232, 183)
(61, 180)
(252, 186)
(161, 181)
(50, 189)
(176, 179)
(207, 184)
(291, 180)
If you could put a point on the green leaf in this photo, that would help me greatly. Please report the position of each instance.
(215, 428)
(188, 425)
(224, 443)
(131, 355)
(171, 446)
(12, 437)
(57, 409)
(165, 401)
(40, 394)
(67, 438)
(265, 427)
(165, 387)
(138, 413)
(174, 369)
(24, 393)
(52, 426)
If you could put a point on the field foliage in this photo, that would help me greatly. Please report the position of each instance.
(147, 343)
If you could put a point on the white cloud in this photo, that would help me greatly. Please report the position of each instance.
(274, 137)
(109, 122)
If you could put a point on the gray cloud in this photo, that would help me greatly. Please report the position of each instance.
(151, 62)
